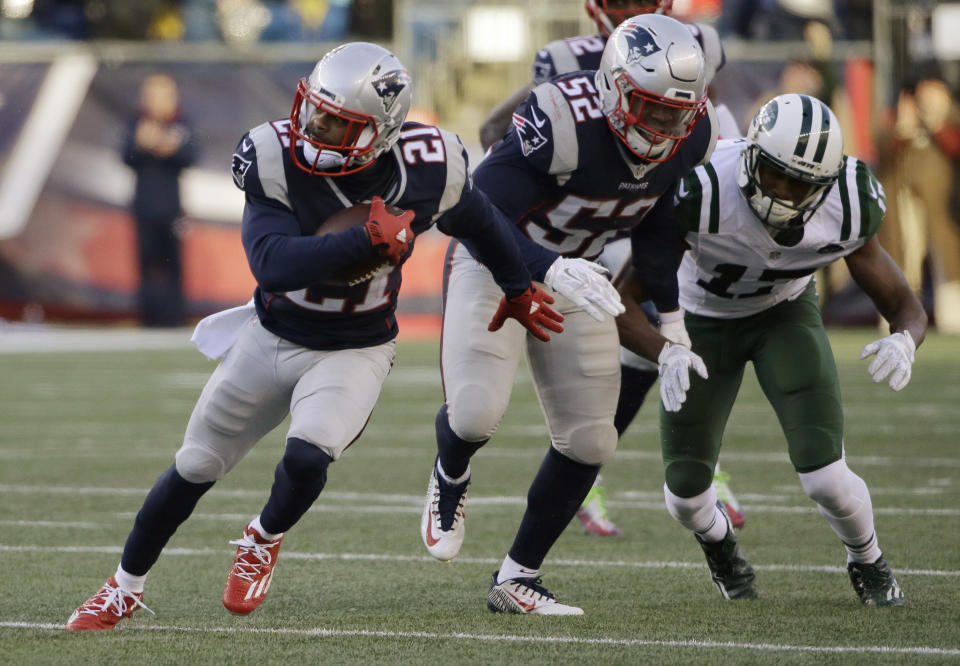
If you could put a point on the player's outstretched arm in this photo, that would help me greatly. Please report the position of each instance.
(879, 276)
(636, 334)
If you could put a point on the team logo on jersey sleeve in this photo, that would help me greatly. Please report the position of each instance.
(528, 132)
(239, 169)
(640, 43)
(390, 85)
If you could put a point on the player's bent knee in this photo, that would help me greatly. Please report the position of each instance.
(691, 512)
(305, 462)
(828, 486)
(198, 464)
(688, 478)
(592, 444)
(474, 413)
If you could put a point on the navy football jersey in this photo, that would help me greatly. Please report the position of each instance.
(565, 179)
(297, 296)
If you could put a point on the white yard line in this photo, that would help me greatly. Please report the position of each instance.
(486, 561)
(500, 638)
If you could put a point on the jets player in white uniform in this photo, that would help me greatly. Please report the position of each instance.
(759, 219)
(637, 374)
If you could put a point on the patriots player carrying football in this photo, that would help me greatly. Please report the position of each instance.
(637, 374)
(590, 155)
(316, 347)
(758, 220)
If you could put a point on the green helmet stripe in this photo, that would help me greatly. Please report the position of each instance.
(805, 124)
(824, 133)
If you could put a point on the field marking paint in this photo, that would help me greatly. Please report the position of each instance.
(574, 640)
(485, 561)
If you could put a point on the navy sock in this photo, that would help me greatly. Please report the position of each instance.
(552, 501)
(297, 482)
(634, 385)
(168, 504)
(454, 453)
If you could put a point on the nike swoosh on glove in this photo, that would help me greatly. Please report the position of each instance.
(895, 354)
(586, 284)
(675, 363)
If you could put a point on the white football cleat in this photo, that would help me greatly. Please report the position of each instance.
(525, 596)
(443, 524)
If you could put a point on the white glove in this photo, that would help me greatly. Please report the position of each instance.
(675, 363)
(585, 283)
(673, 329)
(894, 355)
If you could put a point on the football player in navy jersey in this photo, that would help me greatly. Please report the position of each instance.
(590, 155)
(316, 344)
(758, 220)
(637, 373)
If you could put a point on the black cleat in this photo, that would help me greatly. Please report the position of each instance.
(875, 584)
(729, 569)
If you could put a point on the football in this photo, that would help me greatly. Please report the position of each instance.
(348, 218)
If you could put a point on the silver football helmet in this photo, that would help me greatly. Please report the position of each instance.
(349, 110)
(793, 156)
(608, 14)
(651, 85)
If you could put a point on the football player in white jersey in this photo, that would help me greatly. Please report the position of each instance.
(637, 374)
(758, 220)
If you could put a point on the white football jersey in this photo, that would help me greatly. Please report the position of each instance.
(733, 267)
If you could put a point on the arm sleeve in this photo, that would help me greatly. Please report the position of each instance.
(490, 237)
(281, 259)
(657, 247)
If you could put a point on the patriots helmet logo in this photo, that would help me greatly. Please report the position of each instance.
(640, 42)
(390, 85)
(531, 138)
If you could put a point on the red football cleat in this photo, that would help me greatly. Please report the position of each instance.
(103, 610)
(249, 580)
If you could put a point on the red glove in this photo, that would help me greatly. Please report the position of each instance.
(531, 310)
(389, 234)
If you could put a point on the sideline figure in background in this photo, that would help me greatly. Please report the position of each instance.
(759, 219)
(591, 155)
(158, 145)
(637, 374)
(319, 346)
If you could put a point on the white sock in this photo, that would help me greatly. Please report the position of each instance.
(699, 513)
(255, 524)
(129, 582)
(510, 569)
(455, 482)
(844, 500)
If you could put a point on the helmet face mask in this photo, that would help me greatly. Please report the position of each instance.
(792, 159)
(651, 85)
(608, 14)
(349, 110)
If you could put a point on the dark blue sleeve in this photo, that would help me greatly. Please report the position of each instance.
(657, 246)
(281, 259)
(489, 237)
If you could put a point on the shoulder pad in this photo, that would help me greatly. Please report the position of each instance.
(545, 130)
(863, 202)
(258, 165)
(711, 118)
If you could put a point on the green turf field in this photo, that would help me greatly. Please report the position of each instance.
(84, 435)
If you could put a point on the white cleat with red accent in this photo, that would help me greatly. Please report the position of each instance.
(443, 523)
(525, 596)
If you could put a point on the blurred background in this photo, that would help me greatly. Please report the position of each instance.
(118, 120)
